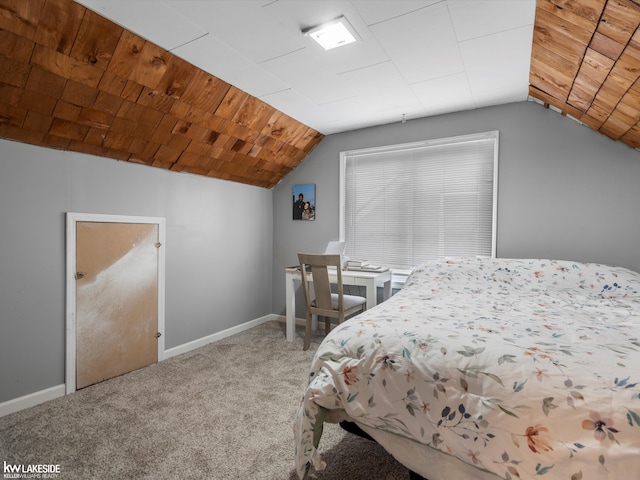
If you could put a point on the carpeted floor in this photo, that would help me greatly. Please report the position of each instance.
(223, 411)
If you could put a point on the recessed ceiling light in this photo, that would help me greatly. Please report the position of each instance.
(332, 34)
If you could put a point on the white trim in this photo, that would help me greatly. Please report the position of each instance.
(31, 400)
(72, 219)
(201, 342)
(36, 398)
(283, 318)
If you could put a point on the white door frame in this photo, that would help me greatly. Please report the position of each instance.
(72, 219)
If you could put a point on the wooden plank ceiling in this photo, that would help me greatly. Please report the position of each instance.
(72, 80)
(585, 62)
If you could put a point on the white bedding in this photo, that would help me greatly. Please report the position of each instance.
(517, 368)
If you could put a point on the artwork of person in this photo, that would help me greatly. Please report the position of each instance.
(298, 207)
(307, 213)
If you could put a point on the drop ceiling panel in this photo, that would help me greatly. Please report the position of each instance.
(486, 98)
(494, 62)
(297, 65)
(372, 114)
(422, 45)
(478, 19)
(376, 11)
(153, 20)
(213, 56)
(302, 108)
(294, 16)
(381, 81)
(244, 25)
(444, 94)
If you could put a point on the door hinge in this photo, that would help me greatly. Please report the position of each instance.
(80, 275)
(158, 244)
(158, 335)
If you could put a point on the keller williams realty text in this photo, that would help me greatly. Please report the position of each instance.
(30, 471)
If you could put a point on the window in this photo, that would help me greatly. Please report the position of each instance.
(402, 205)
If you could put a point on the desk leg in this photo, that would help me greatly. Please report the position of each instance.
(372, 293)
(386, 291)
(291, 309)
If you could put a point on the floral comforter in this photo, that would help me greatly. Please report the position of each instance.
(522, 368)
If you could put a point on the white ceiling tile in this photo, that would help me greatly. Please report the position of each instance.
(295, 105)
(376, 11)
(382, 78)
(152, 20)
(244, 26)
(497, 60)
(473, 19)
(310, 62)
(506, 94)
(293, 71)
(327, 90)
(422, 45)
(210, 55)
(294, 15)
(370, 114)
(445, 94)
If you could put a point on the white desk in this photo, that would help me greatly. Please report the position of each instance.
(370, 280)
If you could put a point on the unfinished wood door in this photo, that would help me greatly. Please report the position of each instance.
(116, 299)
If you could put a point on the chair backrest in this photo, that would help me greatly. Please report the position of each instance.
(319, 266)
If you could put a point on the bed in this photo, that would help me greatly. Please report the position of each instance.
(484, 368)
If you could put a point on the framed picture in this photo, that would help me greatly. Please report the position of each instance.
(304, 202)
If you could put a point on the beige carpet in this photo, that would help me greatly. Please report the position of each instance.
(223, 411)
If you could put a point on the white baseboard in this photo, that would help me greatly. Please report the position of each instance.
(283, 319)
(201, 342)
(36, 398)
(31, 400)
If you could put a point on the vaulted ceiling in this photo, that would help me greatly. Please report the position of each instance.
(73, 79)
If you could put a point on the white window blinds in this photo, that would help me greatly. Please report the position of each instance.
(405, 204)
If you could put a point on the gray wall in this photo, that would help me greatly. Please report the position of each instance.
(218, 251)
(564, 190)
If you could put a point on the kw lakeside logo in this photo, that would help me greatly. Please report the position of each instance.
(30, 471)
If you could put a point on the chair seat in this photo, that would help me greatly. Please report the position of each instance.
(349, 301)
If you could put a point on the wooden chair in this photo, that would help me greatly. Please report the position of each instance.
(326, 304)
